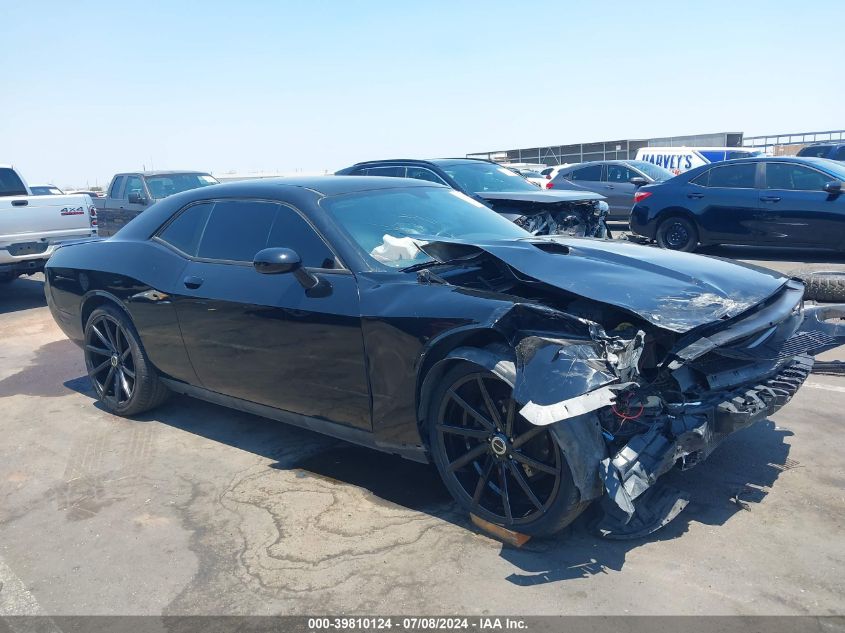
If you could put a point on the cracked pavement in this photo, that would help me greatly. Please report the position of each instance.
(196, 509)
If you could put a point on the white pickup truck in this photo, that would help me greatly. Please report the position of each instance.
(32, 227)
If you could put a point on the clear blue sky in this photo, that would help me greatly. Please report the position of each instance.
(90, 88)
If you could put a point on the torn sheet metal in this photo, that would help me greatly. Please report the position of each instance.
(543, 415)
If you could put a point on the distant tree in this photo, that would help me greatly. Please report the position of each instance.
(96, 188)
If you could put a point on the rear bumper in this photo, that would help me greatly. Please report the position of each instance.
(640, 222)
(24, 267)
(19, 249)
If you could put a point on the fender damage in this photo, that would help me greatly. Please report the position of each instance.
(628, 401)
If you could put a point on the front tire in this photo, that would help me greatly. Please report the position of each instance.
(121, 374)
(495, 463)
(677, 234)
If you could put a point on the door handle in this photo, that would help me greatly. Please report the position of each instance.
(20, 203)
(770, 198)
(695, 196)
(192, 282)
(609, 187)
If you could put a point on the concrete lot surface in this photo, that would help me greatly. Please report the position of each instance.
(195, 509)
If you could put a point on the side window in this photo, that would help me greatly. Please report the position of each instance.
(10, 183)
(591, 173)
(421, 173)
(116, 186)
(733, 176)
(794, 177)
(391, 172)
(290, 230)
(619, 174)
(184, 232)
(237, 230)
(133, 183)
(702, 180)
(839, 154)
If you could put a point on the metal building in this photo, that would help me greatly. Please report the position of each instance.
(606, 150)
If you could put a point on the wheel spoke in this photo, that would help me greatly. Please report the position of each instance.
(110, 334)
(125, 353)
(528, 436)
(533, 463)
(487, 424)
(124, 384)
(98, 350)
(107, 381)
(102, 338)
(509, 419)
(488, 402)
(503, 490)
(480, 434)
(117, 386)
(117, 334)
(128, 372)
(469, 456)
(482, 482)
(101, 367)
(520, 479)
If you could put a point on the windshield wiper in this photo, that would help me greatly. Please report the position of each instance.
(426, 264)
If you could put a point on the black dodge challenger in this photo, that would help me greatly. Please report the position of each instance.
(538, 373)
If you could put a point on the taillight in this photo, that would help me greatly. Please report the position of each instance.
(640, 196)
(92, 215)
(550, 185)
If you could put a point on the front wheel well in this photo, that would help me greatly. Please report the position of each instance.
(489, 344)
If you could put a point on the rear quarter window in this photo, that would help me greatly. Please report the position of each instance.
(10, 183)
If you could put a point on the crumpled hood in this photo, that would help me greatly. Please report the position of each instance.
(541, 196)
(674, 291)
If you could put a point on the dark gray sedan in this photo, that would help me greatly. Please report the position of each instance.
(616, 180)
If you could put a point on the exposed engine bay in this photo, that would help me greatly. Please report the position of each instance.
(583, 218)
(629, 394)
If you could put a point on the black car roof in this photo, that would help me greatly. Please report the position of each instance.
(419, 161)
(323, 185)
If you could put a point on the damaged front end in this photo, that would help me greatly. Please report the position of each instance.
(572, 215)
(624, 414)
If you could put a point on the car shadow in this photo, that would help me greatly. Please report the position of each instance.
(734, 479)
(23, 293)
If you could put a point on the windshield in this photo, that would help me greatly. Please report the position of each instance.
(388, 224)
(655, 172)
(45, 190)
(835, 168)
(480, 177)
(167, 185)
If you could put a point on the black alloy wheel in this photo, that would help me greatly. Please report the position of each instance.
(496, 464)
(677, 234)
(120, 372)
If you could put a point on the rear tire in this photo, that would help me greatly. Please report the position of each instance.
(122, 376)
(677, 234)
(495, 463)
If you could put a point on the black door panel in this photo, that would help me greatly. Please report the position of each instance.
(261, 338)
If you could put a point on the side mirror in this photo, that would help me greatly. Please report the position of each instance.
(276, 261)
(135, 197)
(273, 261)
(833, 187)
(638, 181)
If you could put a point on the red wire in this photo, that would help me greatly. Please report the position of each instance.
(625, 416)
